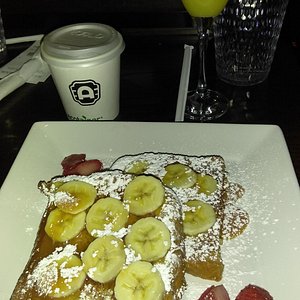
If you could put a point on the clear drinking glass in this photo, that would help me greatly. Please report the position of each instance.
(246, 35)
(204, 104)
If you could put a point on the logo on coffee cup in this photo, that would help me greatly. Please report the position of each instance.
(85, 92)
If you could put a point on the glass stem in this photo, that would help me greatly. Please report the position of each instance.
(202, 30)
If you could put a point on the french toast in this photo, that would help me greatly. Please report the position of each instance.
(205, 181)
(102, 234)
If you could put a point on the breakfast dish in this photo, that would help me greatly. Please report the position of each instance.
(133, 231)
(200, 183)
(108, 235)
(256, 156)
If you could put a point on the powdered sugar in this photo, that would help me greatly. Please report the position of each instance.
(48, 269)
(243, 256)
(64, 198)
(131, 256)
(235, 221)
(108, 231)
(91, 272)
(167, 269)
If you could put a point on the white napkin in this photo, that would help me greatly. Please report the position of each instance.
(14, 80)
(26, 67)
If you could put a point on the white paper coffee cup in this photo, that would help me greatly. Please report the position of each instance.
(84, 60)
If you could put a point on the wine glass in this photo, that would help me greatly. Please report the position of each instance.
(204, 104)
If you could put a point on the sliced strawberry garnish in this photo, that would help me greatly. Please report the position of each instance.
(253, 292)
(71, 161)
(75, 164)
(87, 167)
(215, 293)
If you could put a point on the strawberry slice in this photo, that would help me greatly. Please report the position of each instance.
(71, 161)
(215, 293)
(87, 167)
(75, 164)
(253, 292)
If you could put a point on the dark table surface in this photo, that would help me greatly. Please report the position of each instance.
(150, 74)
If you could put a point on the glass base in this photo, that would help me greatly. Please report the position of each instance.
(205, 105)
(242, 77)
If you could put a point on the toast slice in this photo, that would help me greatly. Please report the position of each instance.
(59, 266)
(203, 251)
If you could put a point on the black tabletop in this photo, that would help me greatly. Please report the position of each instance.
(150, 74)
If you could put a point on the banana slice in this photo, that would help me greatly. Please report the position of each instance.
(71, 277)
(199, 217)
(106, 212)
(206, 184)
(139, 281)
(179, 176)
(104, 258)
(75, 196)
(144, 194)
(61, 226)
(138, 167)
(59, 275)
(150, 238)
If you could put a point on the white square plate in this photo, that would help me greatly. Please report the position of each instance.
(267, 254)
